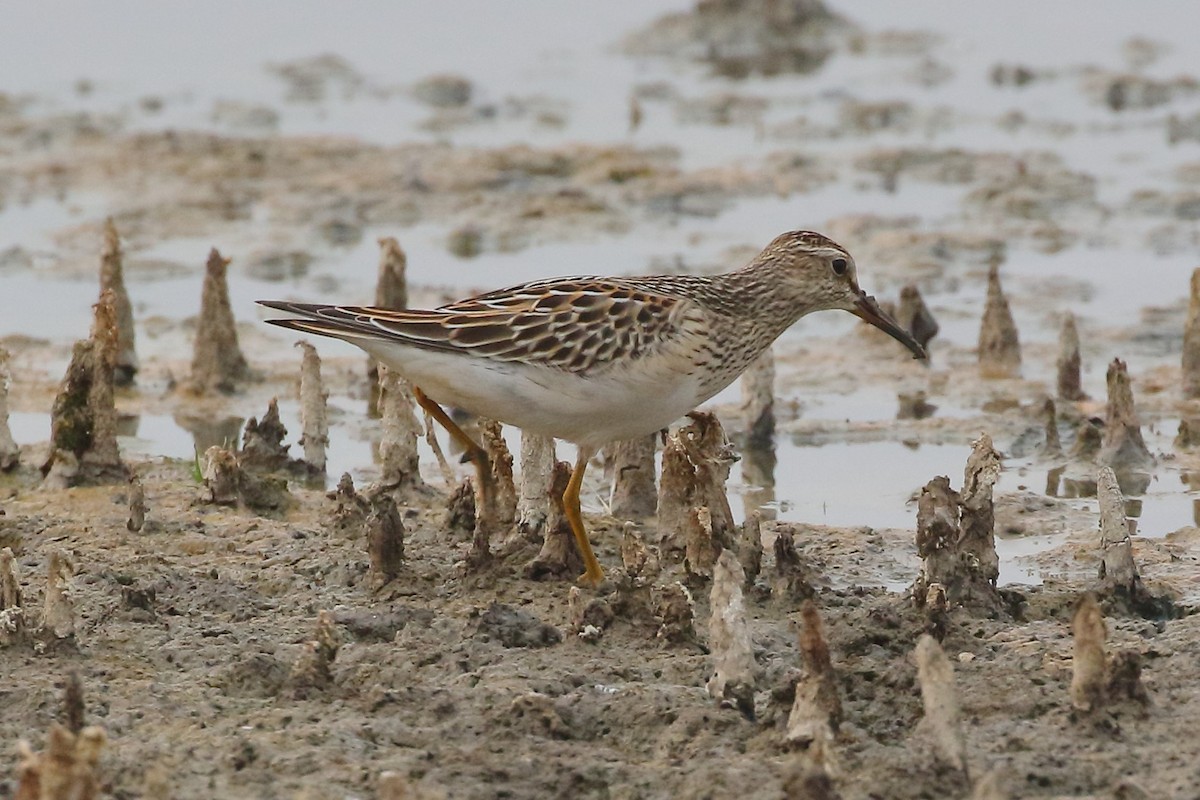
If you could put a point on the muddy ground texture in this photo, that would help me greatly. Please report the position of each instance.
(194, 638)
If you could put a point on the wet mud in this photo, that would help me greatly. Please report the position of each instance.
(1011, 613)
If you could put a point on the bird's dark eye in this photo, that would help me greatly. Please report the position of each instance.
(839, 266)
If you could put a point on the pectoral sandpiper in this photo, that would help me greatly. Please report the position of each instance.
(593, 360)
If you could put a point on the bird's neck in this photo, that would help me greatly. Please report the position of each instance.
(758, 295)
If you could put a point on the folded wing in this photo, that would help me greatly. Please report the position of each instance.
(572, 324)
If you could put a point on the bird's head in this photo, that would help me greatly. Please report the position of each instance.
(820, 275)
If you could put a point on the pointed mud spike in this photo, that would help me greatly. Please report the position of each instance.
(1089, 661)
(1191, 342)
(817, 708)
(312, 672)
(137, 505)
(629, 466)
(83, 421)
(217, 360)
(391, 291)
(733, 678)
(10, 454)
(385, 538)
(1051, 444)
(1123, 447)
(559, 558)
(533, 496)
(58, 610)
(1069, 383)
(314, 411)
(676, 614)
(942, 719)
(914, 316)
(750, 546)
(999, 345)
(112, 277)
(758, 401)
(491, 436)
(398, 457)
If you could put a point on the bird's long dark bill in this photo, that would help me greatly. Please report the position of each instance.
(867, 309)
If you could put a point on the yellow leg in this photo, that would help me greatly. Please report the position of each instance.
(593, 573)
(471, 451)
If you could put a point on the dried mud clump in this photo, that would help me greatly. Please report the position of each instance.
(217, 360)
(68, 769)
(739, 39)
(12, 614)
(676, 615)
(262, 442)
(695, 465)
(394, 786)
(1033, 191)
(83, 420)
(590, 618)
(350, 508)
(515, 627)
(955, 535)
(266, 459)
(443, 91)
(222, 477)
(1130, 91)
(226, 482)
(790, 582)
(460, 511)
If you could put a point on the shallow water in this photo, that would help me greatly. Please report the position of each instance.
(550, 56)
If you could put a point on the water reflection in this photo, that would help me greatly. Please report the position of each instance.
(1059, 485)
(758, 471)
(1192, 481)
(127, 424)
(209, 432)
(915, 406)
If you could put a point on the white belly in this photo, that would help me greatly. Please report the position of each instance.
(621, 403)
